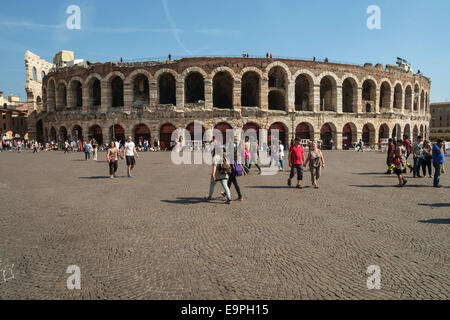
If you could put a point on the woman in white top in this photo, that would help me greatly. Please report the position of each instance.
(281, 156)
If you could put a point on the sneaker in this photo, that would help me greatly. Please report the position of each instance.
(228, 202)
(240, 199)
(130, 176)
(404, 182)
(299, 185)
(289, 182)
(207, 199)
(111, 177)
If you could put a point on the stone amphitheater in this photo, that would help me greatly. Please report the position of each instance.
(150, 100)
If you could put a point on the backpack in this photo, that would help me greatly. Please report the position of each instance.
(225, 167)
(237, 169)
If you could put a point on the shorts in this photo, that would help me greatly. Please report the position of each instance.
(398, 171)
(130, 160)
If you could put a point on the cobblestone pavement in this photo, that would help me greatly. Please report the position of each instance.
(153, 238)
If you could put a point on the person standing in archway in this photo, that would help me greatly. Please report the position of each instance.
(129, 152)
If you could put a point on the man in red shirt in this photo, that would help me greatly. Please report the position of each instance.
(296, 160)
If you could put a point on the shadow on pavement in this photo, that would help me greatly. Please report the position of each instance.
(279, 187)
(193, 200)
(98, 177)
(436, 221)
(390, 186)
(436, 205)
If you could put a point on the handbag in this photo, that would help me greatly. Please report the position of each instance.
(237, 169)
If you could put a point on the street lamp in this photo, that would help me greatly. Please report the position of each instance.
(293, 115)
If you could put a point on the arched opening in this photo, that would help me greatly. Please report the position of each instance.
(77, 133)
(117, 132)
(61, 97)
(328, 94)
(383, 132)
(421, 130)
(349, 135)
(250, 96)
(165, 136)
(385, 96)
(328, 136)
(42, 75)
(62, 137)
(40, 131)
(141, 133)
(416, 97)
(349, 96)
(223, 127)
(53, 134)
(303, 93)
(398, 96)
(194, 86)
(369, 92)
(408, 98)
(39, 102)
(407, 130)
(76, 90)
(141, 91)
(34, 74)
(223, 90)
(51, 96)
(96, 132)
(426, 102)
(415, 133)
(251, 126)
(368, 134)
(278, 87)
(117, 92)
(95, 93)
(196, 138)
(397, 132)
(167, 89)
(282, 133)
(422, 101)
(304, 131)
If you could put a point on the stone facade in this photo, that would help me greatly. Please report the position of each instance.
(440, 120)
(314, 100)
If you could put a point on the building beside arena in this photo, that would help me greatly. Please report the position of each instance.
(337, 103)
(440, 120)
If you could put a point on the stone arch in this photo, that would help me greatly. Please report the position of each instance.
(384, 131)
(397, 131)
(416, 96)
(328, 91)
(385, 95)
(281, 65)
(262, 75)
(77, 132)
(328, 135)
(141, 132)
(222, 127)
(278, 87)
(368, 134)
(223, 83)
(75, 92)
(422, 101)
(415, 133)
(167, 86)
(350, 95)
(96, 132)
(53, 135)
(117, 131)
(165, 135)
(398, 95)
(94, 90)
(250, 89)
(194, 85)
(407, 130)
(62, 136)
(349, 135)
(283, 132)
(369, 94)
(304, 130)
(61, 95)
(192, 135)
(408, 97)
(304, 91)
(51, 94)
(421, 130)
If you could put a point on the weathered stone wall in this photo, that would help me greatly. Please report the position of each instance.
(59, 111)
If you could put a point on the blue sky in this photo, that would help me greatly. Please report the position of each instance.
(416, 30)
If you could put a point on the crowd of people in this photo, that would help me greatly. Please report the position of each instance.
(424, 155)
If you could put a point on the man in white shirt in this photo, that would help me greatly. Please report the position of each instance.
(129, 151)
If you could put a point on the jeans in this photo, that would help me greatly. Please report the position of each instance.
(426, 163)
(417, 165)
(224, 185)
(299, 168)
(281, 162)
(233, 180)
(87, 155)
(437, 173)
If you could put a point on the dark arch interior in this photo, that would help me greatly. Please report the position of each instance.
(141, 89)
(385, 95)
(408, 98)
(277, 100)
(194, 87)
(326, 95)
(77, 94)
(250, 90)
(397, 96)
(302, 93)
(96, 93)
(95, 132)
(223, 90)
(117, 92)
(167, 89)
(62, 96)
(349, 96)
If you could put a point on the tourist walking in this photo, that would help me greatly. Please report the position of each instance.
(390, 155)
(66, 147)
(129, 152)
(316, 163)
(237, 170)
(296, 160)
(220, 172)
(112, 156)
(281, 156)
(87, 150)
(417, 150)
(94, 144)
(427, 157)
(399, 162)
(254, 155)
(438, 155)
